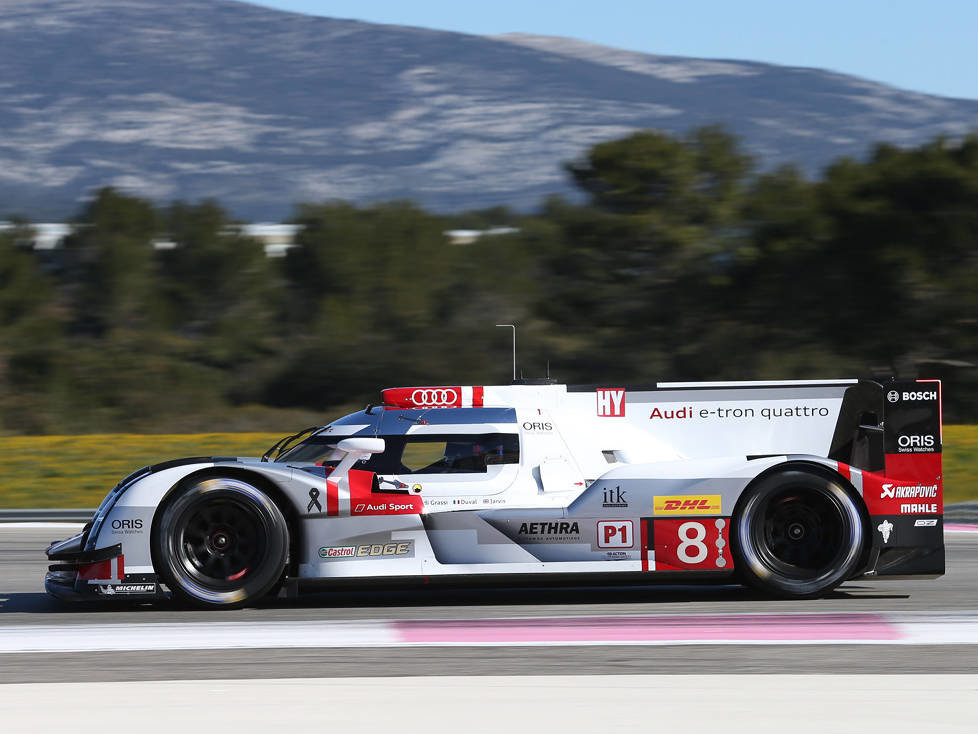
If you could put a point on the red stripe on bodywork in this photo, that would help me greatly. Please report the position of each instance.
(844, 470)
(332, 498)
(364, 500)
(120, 567)
(478, 393)
(100, 570)
(914, 467)
(920, 472)
(645, 544)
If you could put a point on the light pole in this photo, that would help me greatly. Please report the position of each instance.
(513, 327)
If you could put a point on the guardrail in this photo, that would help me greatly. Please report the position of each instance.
(64, 515)
(964, 512)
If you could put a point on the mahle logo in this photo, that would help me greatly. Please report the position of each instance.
(698, 504)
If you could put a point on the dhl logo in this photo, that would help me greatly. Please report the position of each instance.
(708, 504)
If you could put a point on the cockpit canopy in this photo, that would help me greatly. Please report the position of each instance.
(442, 441)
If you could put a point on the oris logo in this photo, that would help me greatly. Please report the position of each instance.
(928, 395)
(915, 442)
(537, 426)
(893, 396)
(435, 397)
(127, 526)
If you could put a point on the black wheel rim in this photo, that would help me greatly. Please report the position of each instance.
(221, 542)
(802, 532)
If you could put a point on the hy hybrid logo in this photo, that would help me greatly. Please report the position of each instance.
(611, 402)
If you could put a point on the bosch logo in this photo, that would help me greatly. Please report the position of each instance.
(441, 396)
(893, 396)
(929, 395)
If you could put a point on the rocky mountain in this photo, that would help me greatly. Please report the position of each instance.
(261, 109)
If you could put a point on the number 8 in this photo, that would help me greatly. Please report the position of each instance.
(699, 533)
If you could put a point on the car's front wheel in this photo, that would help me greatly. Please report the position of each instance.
(797, 534)
(220, 542)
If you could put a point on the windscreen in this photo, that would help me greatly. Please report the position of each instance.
(422, 454)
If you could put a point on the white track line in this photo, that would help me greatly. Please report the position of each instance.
(756, 629)
(800, 704)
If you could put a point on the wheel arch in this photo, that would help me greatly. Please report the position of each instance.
(275, 493)
(826, 472)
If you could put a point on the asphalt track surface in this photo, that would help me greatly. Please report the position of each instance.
(24, 604)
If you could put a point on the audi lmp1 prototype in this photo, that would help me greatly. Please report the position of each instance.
(790, 487)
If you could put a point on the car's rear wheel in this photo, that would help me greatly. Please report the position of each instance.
(221, 542)
(798, 534)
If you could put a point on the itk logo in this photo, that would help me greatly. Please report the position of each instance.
(613, 498)
(885, 528)
(611, 402)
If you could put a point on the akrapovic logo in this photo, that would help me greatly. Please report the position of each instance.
(709, 504)
(915, 491)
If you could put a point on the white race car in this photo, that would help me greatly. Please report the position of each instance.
(791, 487)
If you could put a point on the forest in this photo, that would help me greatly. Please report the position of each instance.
(678, 260)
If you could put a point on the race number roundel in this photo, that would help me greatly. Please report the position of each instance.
(699, 545)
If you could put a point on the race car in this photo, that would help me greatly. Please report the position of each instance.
(789, 487)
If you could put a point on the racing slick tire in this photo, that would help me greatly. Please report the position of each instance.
(797, 534)
(220, 543)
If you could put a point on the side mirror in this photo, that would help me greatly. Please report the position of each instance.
(362, 445)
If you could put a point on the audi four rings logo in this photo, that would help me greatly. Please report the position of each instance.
(893, 396)
(442, 396)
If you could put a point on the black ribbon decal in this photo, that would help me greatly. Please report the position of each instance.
(314, 500)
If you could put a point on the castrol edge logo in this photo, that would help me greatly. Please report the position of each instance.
(692, 504)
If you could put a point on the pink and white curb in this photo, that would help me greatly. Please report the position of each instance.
(960, 527)
(930, 628)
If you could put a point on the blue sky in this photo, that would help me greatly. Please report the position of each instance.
(924, 46)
